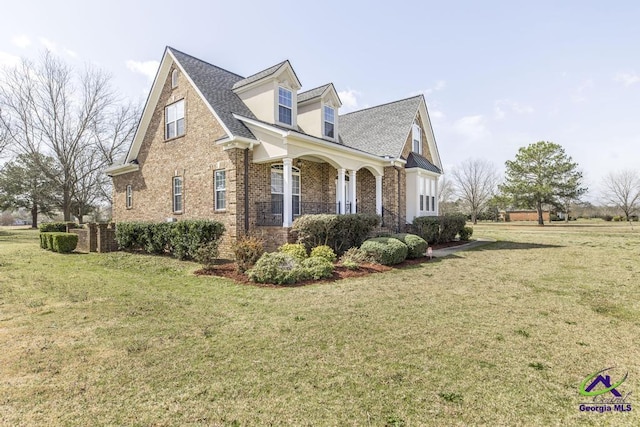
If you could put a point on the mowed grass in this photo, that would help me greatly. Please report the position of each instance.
(500, 335)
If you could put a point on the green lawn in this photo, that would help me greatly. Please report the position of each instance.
(501, 335)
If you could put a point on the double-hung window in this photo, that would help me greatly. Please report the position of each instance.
(417, 139)
(329, 122)
(285, 105)
(220, 186)
(277, 189)
(174, 120)
(177, 194)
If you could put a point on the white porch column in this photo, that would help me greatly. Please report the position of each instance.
(352, 190)
(287, 208)
(379, 194)
(340, 191)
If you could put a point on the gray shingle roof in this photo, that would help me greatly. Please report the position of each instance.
(258, 76)
(380, 130)
(312, 93)
(415, 160)
(215, 84)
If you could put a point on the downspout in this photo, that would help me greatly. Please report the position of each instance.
(246, 191)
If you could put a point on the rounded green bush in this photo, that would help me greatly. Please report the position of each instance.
(466, 233)
(276, 267)
(386, 250)
(416, 244)
(325, 252)
(317, 268)
(296, 250)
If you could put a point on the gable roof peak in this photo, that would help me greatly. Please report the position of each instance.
(264, 73)
(174, 51)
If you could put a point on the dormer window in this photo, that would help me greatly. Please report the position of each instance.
(285, 104)
(329, 122)
(417, 139)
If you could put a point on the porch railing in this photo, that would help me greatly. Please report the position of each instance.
(270, 213)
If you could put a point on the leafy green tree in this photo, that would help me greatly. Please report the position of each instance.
(25, 183)
(542, 174)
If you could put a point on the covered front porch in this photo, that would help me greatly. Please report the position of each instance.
(309, 185)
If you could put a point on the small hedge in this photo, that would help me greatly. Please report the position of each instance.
(276, 267)
(439, 229)
(53, 227)
(325, 252)
(386, 250)
(417, 245)
(466, 233)
(317, 268)
(63, 243)
(181, 239)
(339, 232)
(296, 250)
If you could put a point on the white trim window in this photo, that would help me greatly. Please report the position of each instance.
(285, 106)
(177, 194)
(417, 139)
(129, 197)
(329, 122)
(220, 186)
(174, 79)
(174, 120)
(277, 189)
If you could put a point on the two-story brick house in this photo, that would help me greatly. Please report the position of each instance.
(256, 152)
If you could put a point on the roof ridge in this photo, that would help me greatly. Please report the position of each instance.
(274, 66)
(324, 85)
(382, 105)
(205, 62)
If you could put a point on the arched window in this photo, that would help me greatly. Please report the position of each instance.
(174, 78)
(277, 189)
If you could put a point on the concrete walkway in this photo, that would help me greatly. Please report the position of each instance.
(440, 253)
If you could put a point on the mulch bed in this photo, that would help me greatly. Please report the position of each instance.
(228, 270)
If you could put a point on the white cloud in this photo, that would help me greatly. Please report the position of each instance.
(349, 100)
(440, 85)
(148, 68)
(502, 106)
(627, 79)
(48, 44)
(8, 60)
(21, 41)
(436, 115)
(472, 128)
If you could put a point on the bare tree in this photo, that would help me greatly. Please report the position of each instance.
(49, 109)
(475, 181)
(622, 190)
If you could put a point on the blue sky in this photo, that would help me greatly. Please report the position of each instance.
(497, 75)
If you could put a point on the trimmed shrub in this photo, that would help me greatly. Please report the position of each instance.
(187, 236)
(339, 232)
(440, 229)
(296, 250)
(386, 250)
(427, 227)
(351, 265)
(43, 241)
(417, 245)
(64, 243)
(275, 267)
(317, 268)
(325, 252)
(247, 251)
(53, 227)
(207, 254)
(466, 233)
(181, 239)
(607, 217)
(49, 237)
